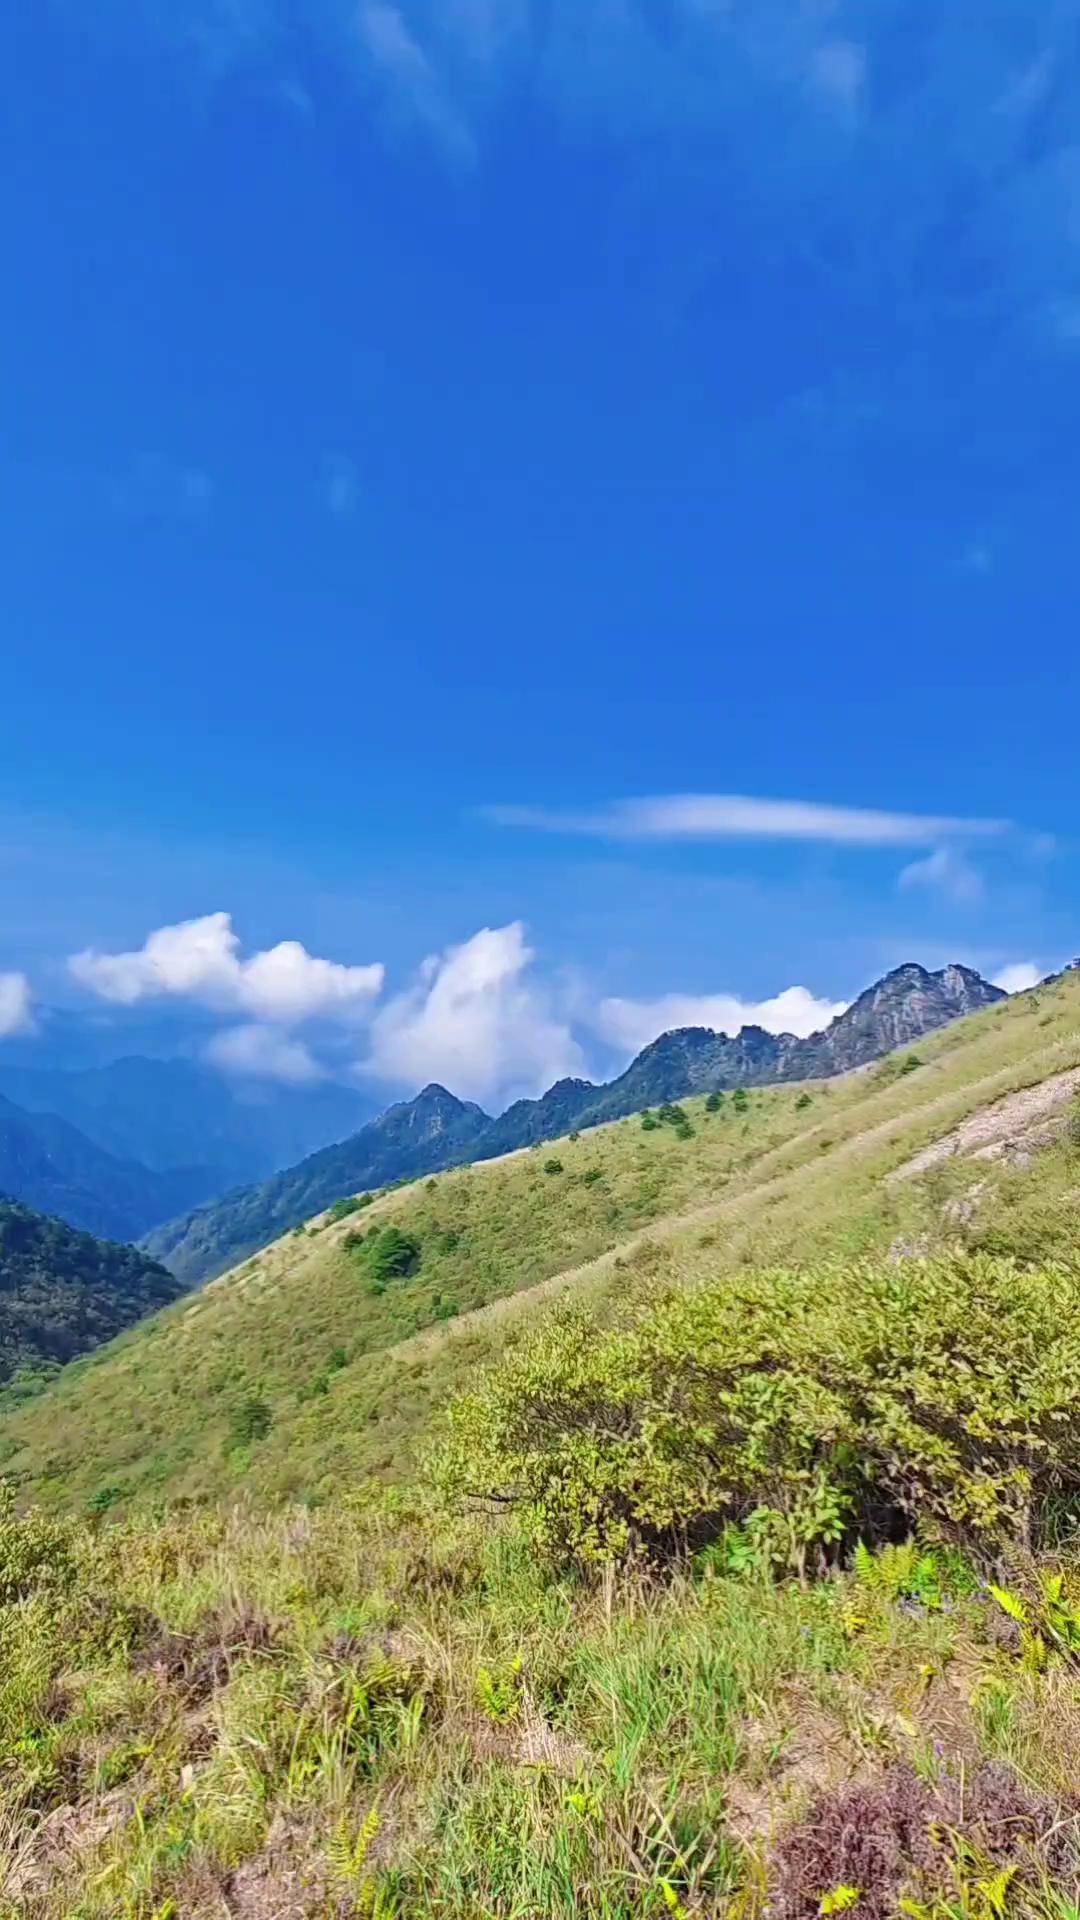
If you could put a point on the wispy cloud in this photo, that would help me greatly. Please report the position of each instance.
(263, 1053)
(154, 488)
(726, 816)
(16, 1005)
(339, 486)
(414, 85)
(945, 872)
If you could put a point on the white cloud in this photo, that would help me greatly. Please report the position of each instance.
(200, 960)
(411, 80)
(946, 872)
(263, 1053)
(473, 1020)
(631, 1024)
(728, 816)
(1018, 977)
(16, 1005)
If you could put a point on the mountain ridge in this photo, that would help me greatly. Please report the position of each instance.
(436, 1130)
(64, 1291)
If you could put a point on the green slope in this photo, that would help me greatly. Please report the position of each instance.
(62, 1291)
(303, 1367)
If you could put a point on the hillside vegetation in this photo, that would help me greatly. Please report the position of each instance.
(435, 1130)
(314, 1367)
(62, 1292)
(743, 1584)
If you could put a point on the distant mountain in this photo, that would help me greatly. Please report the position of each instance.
(415, 1136)
(436, 1130)
(50, 1165)
(63, 1292)
(169, 1114)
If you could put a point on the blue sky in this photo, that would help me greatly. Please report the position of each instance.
(430, 427)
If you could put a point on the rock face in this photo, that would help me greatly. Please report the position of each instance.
(437, 1130)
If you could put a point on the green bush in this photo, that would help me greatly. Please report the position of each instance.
(714, 1103)
(648, 1124)
(553, 1166)
(591, 1175)
(804, 1100)
(251, 1420)
(827, 1406)
(349, 1203)
(391, 1254)
(911, 1064)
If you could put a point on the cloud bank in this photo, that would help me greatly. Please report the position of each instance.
(473, 1019)
(200, 960)
(1018, 977)
(631, 1024)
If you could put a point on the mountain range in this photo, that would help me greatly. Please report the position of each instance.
(436, 1130)
(118, 1148)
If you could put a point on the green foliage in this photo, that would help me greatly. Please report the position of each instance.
(251, 1420)
(62, 1292)
(910, 1064)
(714, 1103)
(390, 1254)
(740, 1100)
(829, 1403)
(591, 1175)
(349, 1203)
(648, 1122)
(553, 1166)
(804, 1100)
(37, 1552)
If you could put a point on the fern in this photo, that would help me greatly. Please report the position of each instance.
(347, 1856)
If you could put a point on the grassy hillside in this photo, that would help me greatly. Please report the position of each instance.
(314, 1367)
(736, 1592)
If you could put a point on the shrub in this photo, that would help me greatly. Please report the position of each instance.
(573, 1136)
(714, 1103)
(740, 1099)
(591, 1175)
(349, 1203)
(553, 1166)
(37, 1552)
(831, 1405)
(648, 1124)
(911, 1064)
(804, 1100)
(391, 1254)
(251, 1420)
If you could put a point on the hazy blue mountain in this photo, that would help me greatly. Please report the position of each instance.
(170, 1114)
(51, 1166)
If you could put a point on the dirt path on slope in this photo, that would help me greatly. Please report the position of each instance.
(1021, 1119)
(783, 1183)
